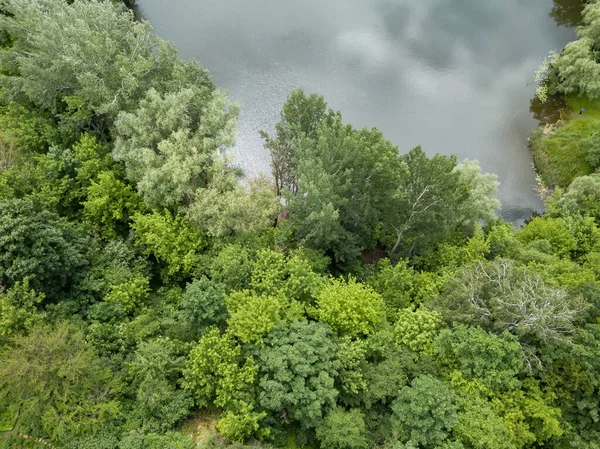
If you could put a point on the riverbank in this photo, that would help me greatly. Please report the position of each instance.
(561, 150)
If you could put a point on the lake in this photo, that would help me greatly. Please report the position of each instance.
(455, 76)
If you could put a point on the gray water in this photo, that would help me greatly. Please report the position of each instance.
(452, 75)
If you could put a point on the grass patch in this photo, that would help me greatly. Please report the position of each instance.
(560, 152)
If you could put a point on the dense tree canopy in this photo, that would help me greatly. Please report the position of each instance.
(152, 296)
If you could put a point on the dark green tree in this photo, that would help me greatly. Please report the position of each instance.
(39, 245)
(297, 370)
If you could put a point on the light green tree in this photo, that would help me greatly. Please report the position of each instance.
(169, 143)
(217, 373)
(252, 316)
(19, 310)
(343, 429)
(57, 383)
(172, 240)
(88, 61)
(350, 308)
(110, 204)
(418, 329)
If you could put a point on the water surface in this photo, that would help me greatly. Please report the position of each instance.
(452, 75)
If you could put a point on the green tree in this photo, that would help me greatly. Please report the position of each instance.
(343, 429)
(173, 241)
(169, 143)
(418, 329)
(482, 202)
(202, 306)
(86, 61)
(225, 207)
(39, 245)
(217, 373)
(232, 267)
(351, 382)
(577, 68)
(500, 297)
(252, 316)
(554, 230)
(130, 294)
(300, 117)
(424, 413)
(496, 360)
(350, 308)
(19, 310)
(57, 383)
(341, 180)
(395, 283)
(31, 129)
(298, 367)
(110, 204)
(156, 368)
(430, 198)
(582, 197)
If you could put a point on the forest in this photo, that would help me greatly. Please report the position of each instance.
(154, 297)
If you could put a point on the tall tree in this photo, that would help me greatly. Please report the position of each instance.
(88, 61)
(169, 143)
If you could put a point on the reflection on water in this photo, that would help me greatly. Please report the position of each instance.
(549, 112)
(568, 12)
(453, 75)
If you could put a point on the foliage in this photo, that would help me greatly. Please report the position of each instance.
(395, 283)
(300, 117)
(19, 310)
(39, 245)
(58, 384)
(343, 430)
(424, 412)
(171, 239)
(418, 329)
(297, 368)
(430, 197)
(31, 129)
(205, 309)
(169, 142)
(350, 308)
